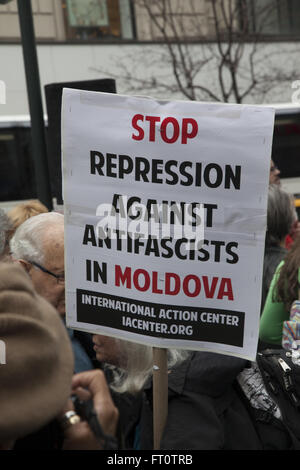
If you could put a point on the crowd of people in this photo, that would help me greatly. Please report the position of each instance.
(65, 389)
(44, 364)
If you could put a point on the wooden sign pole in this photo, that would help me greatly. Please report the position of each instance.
(160, 394)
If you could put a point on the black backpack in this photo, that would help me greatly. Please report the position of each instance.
(281, 378)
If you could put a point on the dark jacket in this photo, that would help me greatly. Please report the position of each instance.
(205, 411)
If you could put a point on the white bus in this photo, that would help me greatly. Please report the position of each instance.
(286, 146)
(17, 177)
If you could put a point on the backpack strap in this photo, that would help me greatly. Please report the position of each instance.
(282, 381)
(271, 432)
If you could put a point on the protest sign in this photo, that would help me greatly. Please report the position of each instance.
(190, 180)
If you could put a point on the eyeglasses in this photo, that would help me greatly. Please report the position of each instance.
(59, 279)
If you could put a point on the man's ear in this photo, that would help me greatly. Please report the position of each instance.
(25, 264)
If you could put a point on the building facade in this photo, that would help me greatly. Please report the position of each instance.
(89, 39)
(206, 50)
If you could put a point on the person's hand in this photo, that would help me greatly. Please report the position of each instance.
(87, 385)
(94, 382)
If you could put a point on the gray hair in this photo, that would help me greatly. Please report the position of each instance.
(138, 366)
(27, 241)
(5, 225)
(281, 215)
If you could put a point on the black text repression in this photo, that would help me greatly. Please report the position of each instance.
(171, 172)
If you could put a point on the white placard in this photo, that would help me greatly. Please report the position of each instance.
(158, 160)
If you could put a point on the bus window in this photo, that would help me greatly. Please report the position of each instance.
(286, 145)
(16, 164)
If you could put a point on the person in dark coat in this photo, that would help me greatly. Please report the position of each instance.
(205, 412)
(205, 409)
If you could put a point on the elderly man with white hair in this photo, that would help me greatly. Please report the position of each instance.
(38, 246)
(36, 411)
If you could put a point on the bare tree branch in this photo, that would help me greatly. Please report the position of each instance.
(234, 61)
